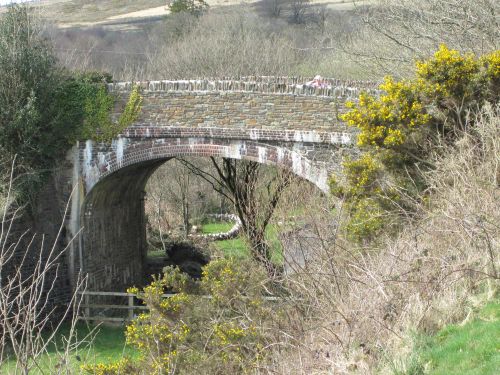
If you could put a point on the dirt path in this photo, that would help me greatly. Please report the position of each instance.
(161, 11)
(150, 12)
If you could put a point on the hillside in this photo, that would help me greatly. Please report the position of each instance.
(126, 13)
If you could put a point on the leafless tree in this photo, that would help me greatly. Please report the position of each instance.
(232, 44)
(399, 31)
(299, 10)
(177, 197)
(254, 192)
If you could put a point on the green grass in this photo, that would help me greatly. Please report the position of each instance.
(216, 227)
(238, 248)
(107, 346)
(235, 248)
(156, 253)
(472, 349)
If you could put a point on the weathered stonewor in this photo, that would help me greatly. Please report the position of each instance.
(276, 121)
(259, 84)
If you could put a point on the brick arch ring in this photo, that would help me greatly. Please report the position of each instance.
(125, 152)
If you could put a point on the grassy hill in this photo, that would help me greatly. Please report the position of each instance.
(74, 13)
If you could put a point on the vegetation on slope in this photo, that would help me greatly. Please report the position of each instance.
(354, 309)
(403, 128)
(77, 12)
(351, 307)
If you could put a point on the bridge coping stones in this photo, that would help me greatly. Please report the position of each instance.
(334, 88)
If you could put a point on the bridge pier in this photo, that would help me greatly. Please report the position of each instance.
(113, 246)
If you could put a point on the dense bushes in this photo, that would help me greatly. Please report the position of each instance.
(403, 128)
(46, 109)
(30, 121)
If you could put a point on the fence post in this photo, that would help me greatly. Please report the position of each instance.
(87, 303)
(131, 307)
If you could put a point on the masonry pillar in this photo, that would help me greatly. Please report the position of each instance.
(114, 232)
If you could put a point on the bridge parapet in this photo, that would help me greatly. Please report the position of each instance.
(330, 87)
(266, 103)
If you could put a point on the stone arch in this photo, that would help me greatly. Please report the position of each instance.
(113, 249)
(125, 153)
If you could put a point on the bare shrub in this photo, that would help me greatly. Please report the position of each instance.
(29, 319)
(238, 42)
(222, 42)
(361, 305)
(399, 31)
(222, 45)
(299, 11)
(176, 197)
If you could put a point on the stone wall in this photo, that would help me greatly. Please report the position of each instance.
(240, 110)
(114, 233)
(265, 103)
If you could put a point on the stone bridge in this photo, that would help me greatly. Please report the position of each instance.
(277, 121)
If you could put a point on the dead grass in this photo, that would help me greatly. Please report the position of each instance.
(362, 306)
(71, 13)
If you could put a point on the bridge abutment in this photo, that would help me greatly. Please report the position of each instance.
(114, 229)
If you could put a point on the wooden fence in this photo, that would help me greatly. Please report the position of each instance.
(88, 309)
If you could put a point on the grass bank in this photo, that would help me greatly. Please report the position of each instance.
(100, 344)
(470, 348)
(237, 247)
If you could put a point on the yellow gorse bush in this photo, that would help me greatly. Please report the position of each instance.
(121, 367)
(215, 325)
(492, 63)
(449, 71)
(402, 128)
(385, 121)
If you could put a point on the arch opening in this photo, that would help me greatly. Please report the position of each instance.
(114, 245)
